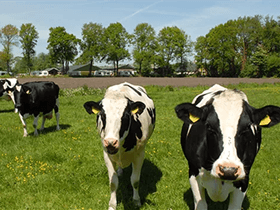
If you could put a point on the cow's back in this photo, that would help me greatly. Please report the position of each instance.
(44, 90)
(42, 97)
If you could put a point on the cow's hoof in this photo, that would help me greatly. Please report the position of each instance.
(137, 203)
(111, 208)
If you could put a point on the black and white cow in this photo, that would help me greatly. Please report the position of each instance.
(125, 121)
(7, 87)
(220, 138)
(35, 98)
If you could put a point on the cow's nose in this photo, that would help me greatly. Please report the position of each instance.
(112, 146)
(228, 171)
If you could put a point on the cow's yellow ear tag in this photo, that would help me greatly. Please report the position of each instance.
(265, 121)
(95, 111)
(193, 118)
(134, 111)
(28, 92)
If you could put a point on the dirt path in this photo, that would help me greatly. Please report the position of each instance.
(103, 82)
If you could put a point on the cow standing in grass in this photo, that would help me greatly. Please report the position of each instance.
(7, 87)
(35, 98)
(125, 121)
(220, 138)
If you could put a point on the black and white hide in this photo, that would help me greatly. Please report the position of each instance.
(125, 121)
(7, 87)
(220, 138)
(37, 98)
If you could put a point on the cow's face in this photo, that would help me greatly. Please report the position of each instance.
(3, 87)
(21, 94)
(231, 132)
(114, 120)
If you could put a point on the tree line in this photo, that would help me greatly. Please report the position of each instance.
(245, 47)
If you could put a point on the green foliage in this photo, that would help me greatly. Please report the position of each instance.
(65, 169)
(43, 61)
(28, 38)
(144, 41)
(273, 65)
(173, 45)
(8, 38)
(62, 47)
(239, 47)
(91, 44)
(116, 40)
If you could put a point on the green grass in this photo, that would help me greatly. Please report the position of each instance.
(65, 169)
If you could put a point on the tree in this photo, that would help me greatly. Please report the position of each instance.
(144, 41)
(62, 47)
(271, 35)
(8, 38)
(28, 38)
(116, 40)
(248, 36)
(91, 43)
(228, 47)
(173, 45)
(42, 61)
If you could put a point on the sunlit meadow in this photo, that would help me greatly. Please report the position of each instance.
(65, 169)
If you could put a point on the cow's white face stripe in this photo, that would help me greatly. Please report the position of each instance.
(229, 107)
(18, 88)
(114, 110)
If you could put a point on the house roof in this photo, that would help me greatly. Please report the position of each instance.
(82, 67)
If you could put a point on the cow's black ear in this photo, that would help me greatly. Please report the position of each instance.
(267, 116)
(137, 107)
(188, 112)
(92, 107)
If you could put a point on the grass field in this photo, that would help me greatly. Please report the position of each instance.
(65, 169)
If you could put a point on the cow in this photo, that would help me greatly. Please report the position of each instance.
(7, 87)
(35, 98)
(220, 139)
(125, 121)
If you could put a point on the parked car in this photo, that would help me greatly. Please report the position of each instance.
(3, 73)
(125, 74)
(43, 73)
(103, 73)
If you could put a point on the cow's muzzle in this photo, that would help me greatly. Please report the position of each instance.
(228, 171)
(112, 146)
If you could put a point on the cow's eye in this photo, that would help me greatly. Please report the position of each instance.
(245, 130)
(210, 128)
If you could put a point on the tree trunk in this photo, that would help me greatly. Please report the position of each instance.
(90, 67)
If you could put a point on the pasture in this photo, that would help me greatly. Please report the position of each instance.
(65, 169)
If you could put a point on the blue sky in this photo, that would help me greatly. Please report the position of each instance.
(196, 17)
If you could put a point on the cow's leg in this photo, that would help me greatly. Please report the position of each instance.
(13, 99)
(43, 123)
(49, 116)
(35, 124)
(236, 199)
(135, 177)
(198, 194)
(57, 115)
(24, 125)
(113, 181)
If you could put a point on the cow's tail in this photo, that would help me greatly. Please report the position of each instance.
(56, 107)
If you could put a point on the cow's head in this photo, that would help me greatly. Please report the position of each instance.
(4, 88)
(231, 132)
(22, 94)
(114, 120)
